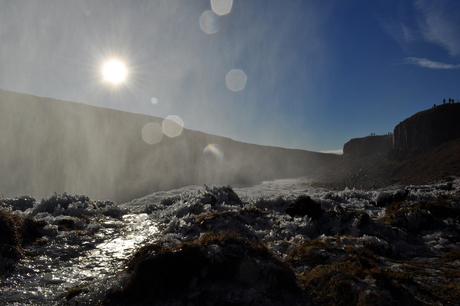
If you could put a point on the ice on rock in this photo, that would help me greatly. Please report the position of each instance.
(386, 197)
(89, 240)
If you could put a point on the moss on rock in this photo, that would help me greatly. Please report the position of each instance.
(16, 231)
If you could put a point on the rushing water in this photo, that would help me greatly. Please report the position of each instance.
(69, 260)
(100, 246)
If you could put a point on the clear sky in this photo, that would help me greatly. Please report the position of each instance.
(316, 73)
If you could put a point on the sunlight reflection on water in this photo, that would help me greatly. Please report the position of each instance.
(43, 278)
(138, 228)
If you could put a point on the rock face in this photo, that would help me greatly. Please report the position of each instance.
(426, 129)
(358, 147)
(418, 133)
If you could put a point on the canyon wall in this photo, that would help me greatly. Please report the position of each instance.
(426, 129)
(416, 134)
(51, 146)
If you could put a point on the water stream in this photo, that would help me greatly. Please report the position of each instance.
(69, 260)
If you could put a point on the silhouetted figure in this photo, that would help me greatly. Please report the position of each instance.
(444, 101)
(434, 105)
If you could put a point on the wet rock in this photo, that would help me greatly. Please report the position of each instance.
(305, 206)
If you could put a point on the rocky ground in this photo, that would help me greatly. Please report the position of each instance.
(280, 243)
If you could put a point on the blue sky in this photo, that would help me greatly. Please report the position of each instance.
(318, 72)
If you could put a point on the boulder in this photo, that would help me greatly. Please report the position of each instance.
(220, 269)
(305, 206)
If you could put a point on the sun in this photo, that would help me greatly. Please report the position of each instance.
(114, 71)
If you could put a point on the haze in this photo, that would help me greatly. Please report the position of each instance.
(318, 72)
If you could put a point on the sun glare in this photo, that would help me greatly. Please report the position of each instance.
(114, 71)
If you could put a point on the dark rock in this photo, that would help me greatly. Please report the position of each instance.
(21, 203)
(217, 269)
(209, 199)
(16, 230)
(386, 198)
(305, 206)
(66, 224)
(216, 195)
(425, 130)
(363, 220)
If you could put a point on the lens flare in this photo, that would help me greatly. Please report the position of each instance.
(154, 100)
(221, 7)
(152, 133)
(173, 126)
(209, 22)
(236, 80)
(214, 150)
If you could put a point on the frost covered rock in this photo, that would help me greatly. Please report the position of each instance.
(344, 249)
(385, 198)
(215, 270)
(22, 203)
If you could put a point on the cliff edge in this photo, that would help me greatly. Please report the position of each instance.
(422, 149)
(359, 147)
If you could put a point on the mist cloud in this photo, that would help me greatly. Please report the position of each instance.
(55, 49)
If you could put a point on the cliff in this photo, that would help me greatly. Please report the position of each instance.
(358, 147)
(418, 133)
(51, 146)
(426, 129)
(424, 148)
